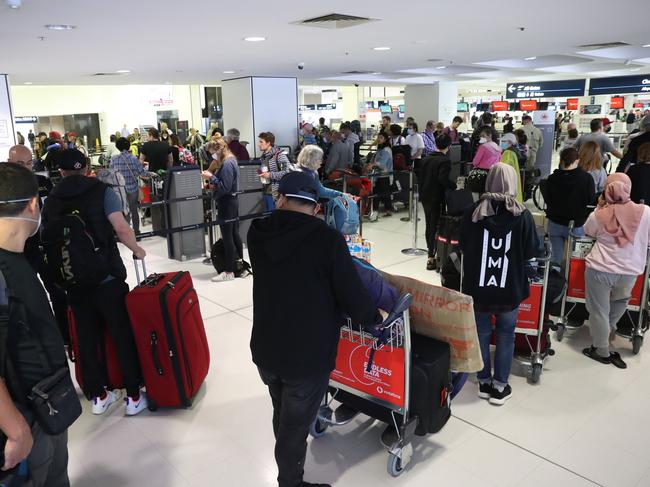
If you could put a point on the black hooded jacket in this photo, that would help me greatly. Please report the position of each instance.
(495, 251)
(87, 195)
(304, 285)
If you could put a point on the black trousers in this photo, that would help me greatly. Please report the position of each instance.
(432, 211)
(96, 310)
(382, 191)
(295, 406)
(228, 208)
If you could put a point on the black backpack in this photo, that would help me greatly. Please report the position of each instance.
(72, 256)
(218, 257)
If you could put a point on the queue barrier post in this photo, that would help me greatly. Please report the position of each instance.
(411, 182)
(414, 250)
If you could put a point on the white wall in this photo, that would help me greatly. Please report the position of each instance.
(117, 105)
(437, 102)
(7, 133)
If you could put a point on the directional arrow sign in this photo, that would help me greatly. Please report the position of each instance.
(546, 89)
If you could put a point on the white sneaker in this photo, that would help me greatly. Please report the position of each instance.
(100, 406)
(135, 407)
(223, 277)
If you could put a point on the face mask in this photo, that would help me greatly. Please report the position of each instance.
(23, 218)
(504, 145)
(482, 140)
(215, 157)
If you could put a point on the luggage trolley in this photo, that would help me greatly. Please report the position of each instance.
(577, 250)
(533, 323)
(385, 386)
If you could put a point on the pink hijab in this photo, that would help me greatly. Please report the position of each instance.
(620, 217)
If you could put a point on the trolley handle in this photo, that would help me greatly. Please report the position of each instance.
(382, 331)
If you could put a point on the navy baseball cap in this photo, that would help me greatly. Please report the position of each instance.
(299, 185)
(71, 159)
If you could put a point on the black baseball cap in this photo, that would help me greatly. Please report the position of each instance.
(299, 185)
(71, 160)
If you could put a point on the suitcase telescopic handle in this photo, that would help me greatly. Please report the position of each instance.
(137, 270)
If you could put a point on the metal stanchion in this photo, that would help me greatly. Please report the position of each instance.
(410, 217)
(415, 250)
(345, 183)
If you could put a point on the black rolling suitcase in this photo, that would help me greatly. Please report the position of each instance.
(430, 383)
(447, 237)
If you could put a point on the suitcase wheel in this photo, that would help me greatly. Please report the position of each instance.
(152, 406)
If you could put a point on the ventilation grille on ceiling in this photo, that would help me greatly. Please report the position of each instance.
(358, 72)
(335, 21)
(604, 45)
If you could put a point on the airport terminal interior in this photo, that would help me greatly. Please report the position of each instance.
(91, 77)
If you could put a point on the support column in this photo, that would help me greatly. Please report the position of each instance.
(437, 102)
(255, 105)
(7, 130)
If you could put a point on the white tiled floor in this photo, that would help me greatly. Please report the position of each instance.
(585, 424)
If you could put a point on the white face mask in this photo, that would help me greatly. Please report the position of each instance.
(215, 157)
(410, 131)
(482, 140)
(24, 218)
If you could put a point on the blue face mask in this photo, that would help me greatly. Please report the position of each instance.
(504, 145)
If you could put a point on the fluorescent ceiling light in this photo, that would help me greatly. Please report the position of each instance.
(123, 71)
(635, 69)
(228, 72)
(531, 58)
(254, 39)
(60, 26)
(645, 45)
(376, 73)
(441, 67)
(381, 48)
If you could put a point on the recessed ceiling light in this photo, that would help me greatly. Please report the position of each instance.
(635, 69)
(123, 71)
(254, 39)
(531, 58)
(376, 73)
(381, 48)
(441, 67)
(28, 83)
(645, 45)
(168, 82)
(228, 72)
(60, 26)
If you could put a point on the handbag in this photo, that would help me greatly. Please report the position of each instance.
(53, 400)
(458, 201)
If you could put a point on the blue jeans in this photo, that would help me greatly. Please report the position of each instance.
(269, 203)
(559, 235)
(505, 346)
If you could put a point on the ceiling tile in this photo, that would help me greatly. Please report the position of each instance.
(537, 63)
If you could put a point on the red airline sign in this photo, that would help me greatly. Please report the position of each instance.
(499, 106)
(572, 103)
(616, 102)
(528, 105)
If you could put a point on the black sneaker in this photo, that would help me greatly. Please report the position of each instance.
(499, 398)
(485, 390)
(431, 264)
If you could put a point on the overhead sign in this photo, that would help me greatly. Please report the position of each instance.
(545, 89)
(25, 119)
(620, 84)
(500, 106)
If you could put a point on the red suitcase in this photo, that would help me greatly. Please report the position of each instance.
(106, 353)
(170, 337)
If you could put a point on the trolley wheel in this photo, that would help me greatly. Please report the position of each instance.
(535, 373)
(637, 343)
(395, 467)
(551, 325)
(318, 428)
(559, 334)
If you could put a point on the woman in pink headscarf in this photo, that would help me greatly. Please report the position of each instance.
(622, 231)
